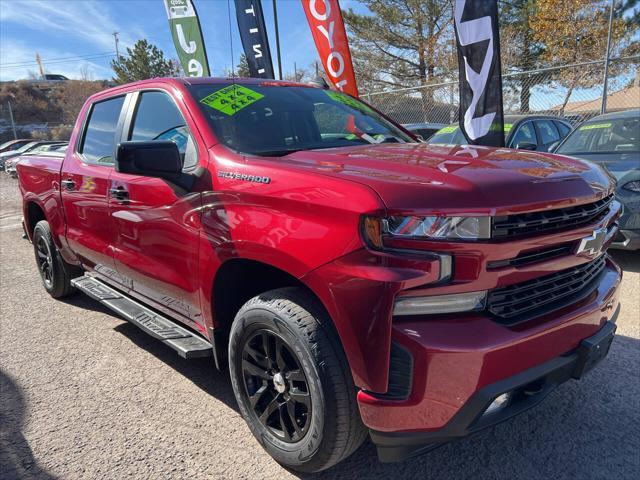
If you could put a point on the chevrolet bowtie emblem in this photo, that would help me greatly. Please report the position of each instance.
(592, 245)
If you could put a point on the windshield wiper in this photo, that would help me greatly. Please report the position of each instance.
(277, 153)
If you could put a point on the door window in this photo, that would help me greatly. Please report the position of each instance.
(100, 135)
(563, 128)
(525, 134)
(158, 118)
(548, 132)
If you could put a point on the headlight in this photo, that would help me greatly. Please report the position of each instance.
(453, 303)
(427, 228)
(632, 186)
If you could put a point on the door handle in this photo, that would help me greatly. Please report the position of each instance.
(119, 193)
(68, 184)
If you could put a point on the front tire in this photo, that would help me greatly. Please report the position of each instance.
(55, 273)
(292, 381)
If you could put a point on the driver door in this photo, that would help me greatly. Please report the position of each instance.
(156, 223)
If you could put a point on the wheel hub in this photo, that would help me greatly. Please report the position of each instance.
(279, 383)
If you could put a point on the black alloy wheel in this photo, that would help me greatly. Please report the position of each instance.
(292, 380)
(276, 386)
(45, 261)
(56, 274)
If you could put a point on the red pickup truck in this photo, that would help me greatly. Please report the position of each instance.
(355, 281)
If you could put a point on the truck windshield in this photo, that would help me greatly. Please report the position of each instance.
(275, 120)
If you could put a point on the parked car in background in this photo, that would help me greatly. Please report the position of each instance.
(10, 164)
(12, 145)
(28, 147)
(424, 130)
(611, 140)
(55, 77)
(525, 132)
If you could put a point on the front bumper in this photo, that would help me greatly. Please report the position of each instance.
(459, 361)
(526, 389)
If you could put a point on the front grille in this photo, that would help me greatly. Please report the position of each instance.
(533, 256)
(524, 301)
(535, 223)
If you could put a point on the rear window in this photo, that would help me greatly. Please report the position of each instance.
(100, 134)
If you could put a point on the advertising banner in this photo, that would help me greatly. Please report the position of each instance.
(327, 28)
(253, 34)
(187, 37)
(478, 45)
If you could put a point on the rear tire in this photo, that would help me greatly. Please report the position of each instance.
(55, 273)
(282, 345)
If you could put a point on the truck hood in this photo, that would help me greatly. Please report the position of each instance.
(414, 178)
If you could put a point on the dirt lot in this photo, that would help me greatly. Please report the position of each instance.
(87, 395)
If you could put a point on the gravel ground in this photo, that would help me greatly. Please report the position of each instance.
(87, 395)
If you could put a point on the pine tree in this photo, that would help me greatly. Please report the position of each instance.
(142, 61)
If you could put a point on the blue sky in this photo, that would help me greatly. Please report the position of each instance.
(59, 29)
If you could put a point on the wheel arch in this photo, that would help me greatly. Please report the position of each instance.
(238, 280)
(33, 213)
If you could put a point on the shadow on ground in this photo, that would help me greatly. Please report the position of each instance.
(628, 261)
(16, 458)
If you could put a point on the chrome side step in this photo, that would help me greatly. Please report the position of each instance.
(186, 343)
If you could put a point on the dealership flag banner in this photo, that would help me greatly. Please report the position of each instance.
(253, 34)
(478, 45)
(187, 37)
(327, 28)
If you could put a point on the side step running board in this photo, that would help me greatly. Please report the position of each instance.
(183, 341)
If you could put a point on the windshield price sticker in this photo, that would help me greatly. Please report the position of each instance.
(347, 100)
(449, 129)
(595, 126)
(231, 99)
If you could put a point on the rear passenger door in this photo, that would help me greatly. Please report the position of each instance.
(156, 224)
(85, 184)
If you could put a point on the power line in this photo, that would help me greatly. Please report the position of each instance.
(54, 60)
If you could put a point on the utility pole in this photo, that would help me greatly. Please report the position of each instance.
(40, 66)
(275, 21)
(13, 124)
(115, 36)
(295, 71)
(605, 86)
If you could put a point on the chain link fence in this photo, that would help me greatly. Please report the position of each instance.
(571, 91)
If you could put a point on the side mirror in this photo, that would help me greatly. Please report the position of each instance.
(526, 146)
(159, 159)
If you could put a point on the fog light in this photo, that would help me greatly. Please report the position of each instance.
(498, 403)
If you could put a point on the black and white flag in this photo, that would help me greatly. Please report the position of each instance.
(253, 34)
(478, 44)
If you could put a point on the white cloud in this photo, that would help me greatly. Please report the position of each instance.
(87, 20)
(13, 52)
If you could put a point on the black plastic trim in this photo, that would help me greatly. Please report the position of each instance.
(400, 374)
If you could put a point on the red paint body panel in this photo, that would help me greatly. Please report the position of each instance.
(166, 246)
